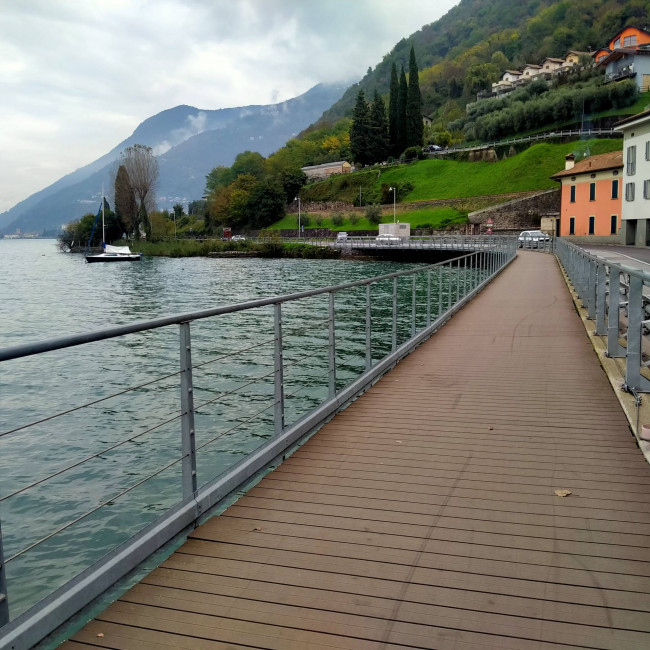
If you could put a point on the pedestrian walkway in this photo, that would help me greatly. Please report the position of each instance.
(428, 514)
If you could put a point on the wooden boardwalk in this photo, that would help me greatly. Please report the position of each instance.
(425, 515)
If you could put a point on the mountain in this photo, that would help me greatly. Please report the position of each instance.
(471, 46)
(188, 142)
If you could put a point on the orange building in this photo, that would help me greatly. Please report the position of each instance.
(629, 37)
(591, 195)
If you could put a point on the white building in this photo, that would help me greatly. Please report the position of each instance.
(635, 212)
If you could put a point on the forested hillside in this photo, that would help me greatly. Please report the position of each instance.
(470, 47)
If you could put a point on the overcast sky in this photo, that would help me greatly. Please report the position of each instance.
(78, 76)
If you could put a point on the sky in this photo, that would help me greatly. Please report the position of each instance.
(78, 76)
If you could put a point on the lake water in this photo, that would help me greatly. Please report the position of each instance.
(46, 294)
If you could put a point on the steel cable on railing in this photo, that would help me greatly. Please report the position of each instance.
(225, 433)
(234, 390)
(85, 460)
(93, 403)
(307, 356)
(232, 354)
(90, 512)
(287, 333)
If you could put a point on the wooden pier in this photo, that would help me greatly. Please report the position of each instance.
(427, 514)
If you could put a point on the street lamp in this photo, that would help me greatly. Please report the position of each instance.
(393, 190)
(298, 199)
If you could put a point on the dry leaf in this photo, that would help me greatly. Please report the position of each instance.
(491, 428)
(257, 529)
(563, 493)
(399, 442)
(100, 635)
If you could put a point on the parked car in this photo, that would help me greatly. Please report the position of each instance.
(431, 148)
(532, 239)
(386, 238)
(342, 237)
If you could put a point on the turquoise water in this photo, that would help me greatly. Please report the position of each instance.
(46, 294)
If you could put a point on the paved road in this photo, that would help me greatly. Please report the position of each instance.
(637, 258)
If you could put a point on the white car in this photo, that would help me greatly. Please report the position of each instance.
(342, 237)
(238, 238)
(386, 238)
(532, 239)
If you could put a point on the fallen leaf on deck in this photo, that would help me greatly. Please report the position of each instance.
(563, 493)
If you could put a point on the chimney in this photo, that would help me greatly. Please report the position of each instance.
(570, 161)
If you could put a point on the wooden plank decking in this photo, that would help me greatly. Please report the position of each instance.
(424, 515)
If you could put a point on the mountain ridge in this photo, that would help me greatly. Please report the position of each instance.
(267, 127)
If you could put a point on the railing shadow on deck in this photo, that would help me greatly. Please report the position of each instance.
(332, 351)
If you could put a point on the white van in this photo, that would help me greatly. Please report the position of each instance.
(342, 237)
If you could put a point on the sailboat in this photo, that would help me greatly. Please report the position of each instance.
(109, 253)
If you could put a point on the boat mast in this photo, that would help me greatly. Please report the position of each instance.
(103, 233)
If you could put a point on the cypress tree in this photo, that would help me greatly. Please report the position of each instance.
(392, 112)
(379, 144)
(401, 113)
(414, 124)
(360, 131)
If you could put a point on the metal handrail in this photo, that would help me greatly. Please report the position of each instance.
(602, 286)
(453, 283)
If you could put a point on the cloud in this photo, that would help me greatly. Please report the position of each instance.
(78, 77)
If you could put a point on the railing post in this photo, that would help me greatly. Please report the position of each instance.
(4, 599)
(591, 290)
(439, 310)
(188, 440)
(428, 297)
(278, 375)
(394, 340)
(457, 281)
(413, 307)
(368, 330)
(614, 349)
(464, 276)
(332, 347)
(601, 299)
(633, 378)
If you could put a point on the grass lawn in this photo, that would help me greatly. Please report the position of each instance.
(444, 179)
(430, 217)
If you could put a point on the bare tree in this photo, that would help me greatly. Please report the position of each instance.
(142, 169)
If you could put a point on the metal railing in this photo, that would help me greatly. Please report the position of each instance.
(549, 135)
(420, 242)
(383, 319)
(617, 299)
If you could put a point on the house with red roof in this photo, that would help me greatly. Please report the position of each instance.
(591, 196)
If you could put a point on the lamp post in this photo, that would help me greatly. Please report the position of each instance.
(393, 189)
(298, 199)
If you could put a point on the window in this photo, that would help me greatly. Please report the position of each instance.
(647, 150)
(572, 226)
(614, 226)
(629, 191)
(646, 189)
(573, 194)
(617, 43)
(629, 40)
(592, 191)
(631, 160)
(615, 188)
(592, 225)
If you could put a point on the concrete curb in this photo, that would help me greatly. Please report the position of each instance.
(636, 411)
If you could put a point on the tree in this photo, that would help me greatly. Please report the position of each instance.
(414, 124)
(393, 111)
(125, 204)
(360, 131)
(266, 204)
(218, 178)
(249, 162)
(292, 180)
(401, 113)
(142, 168)
(378, 143)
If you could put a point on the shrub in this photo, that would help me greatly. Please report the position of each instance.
(373, 213)
(337, 219)
(354, 218)
(411, 153)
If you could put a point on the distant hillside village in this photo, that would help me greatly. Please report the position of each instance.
(627, 56)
